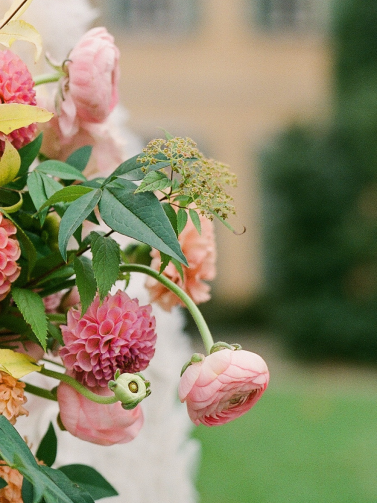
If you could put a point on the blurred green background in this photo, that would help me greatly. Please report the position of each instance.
(286, 92)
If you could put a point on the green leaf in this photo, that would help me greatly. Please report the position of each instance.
(181, 219)
(154, 180)
(80, 157)
(55, 332)
(51, 485)
(51, 186)
(132, 170)
(29, 152)
(61, 170)
(33, 311)
(195, 220)
(48, 447)
(66, 195)
(36, 189)
(106, 259)
(71, 491)
(74, 217)
(3, 483)
(89, 479)
(172, 216)
(27, 492)
(85, 281)
(139, 216)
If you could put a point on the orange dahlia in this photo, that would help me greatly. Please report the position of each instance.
(11, 493)
(12, 397)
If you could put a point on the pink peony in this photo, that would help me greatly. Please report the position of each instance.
(117, 334)
(16, 86)
(90, 92)
(223, 386)
(200, 252)
(9, 252)
(97, 423)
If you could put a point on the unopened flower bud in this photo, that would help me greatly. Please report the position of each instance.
(218, 346)
(196, 357)
(130, 389)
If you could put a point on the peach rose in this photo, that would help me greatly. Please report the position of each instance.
(97, 423)
(200, 252)
(223, 386)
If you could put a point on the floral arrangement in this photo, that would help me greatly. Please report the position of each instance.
(63, 212)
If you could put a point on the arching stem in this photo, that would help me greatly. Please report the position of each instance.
(189, 303)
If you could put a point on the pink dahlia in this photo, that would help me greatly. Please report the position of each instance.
(9, 252)
(223, 386)
(117, 334)
(200, 252)
(16, 86)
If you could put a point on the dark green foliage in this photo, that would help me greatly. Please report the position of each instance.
(320, 208)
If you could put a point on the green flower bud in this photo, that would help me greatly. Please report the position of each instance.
(196, 357)
(218, 346)
(130, 389)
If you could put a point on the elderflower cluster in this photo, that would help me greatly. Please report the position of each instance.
(200, 179)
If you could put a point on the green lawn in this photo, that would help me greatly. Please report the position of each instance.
(312, 438)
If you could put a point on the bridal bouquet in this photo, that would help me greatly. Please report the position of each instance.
(62, 217)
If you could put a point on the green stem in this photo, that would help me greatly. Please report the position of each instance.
(57, 317)
(36, 390)
(189, 303)
(79, 387)
(46, 78)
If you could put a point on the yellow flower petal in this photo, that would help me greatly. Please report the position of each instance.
(21, 30)
(10, 163)
(15, 115)
(16, 10)
(17, 364)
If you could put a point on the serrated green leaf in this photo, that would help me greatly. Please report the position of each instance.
(61, 170)
(139, 216)
(89, 479)
(80, 157)
(106, 259)
(66, 195)
(85, 281)
(32, 309)
(195, 220)
(47, 449)
(181, 220)
(74, 217)
(154, 180)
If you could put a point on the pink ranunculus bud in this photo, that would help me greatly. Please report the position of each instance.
(200, 252)
(94, 422)
(16, 86)
(223, 386)
(116, 334)
(9, 252)
(90, 92)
